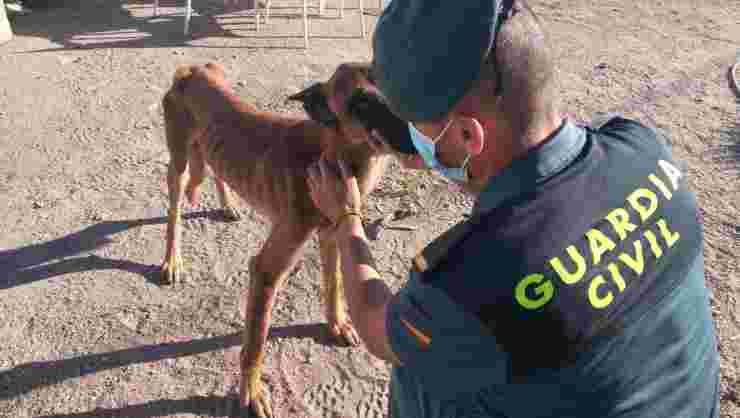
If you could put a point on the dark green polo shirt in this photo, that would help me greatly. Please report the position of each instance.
(580, 293)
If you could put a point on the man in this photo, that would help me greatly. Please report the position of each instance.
(577, 288)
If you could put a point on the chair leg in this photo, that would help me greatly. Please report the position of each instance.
(305, 24)
(156, 8)
(362, 20)
(341, 10)
(188, 14)
(322, 4)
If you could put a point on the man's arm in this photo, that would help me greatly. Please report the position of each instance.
(367, 294)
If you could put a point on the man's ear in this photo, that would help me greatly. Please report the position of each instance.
(472, 134)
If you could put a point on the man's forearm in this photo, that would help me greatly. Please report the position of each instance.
(366, 293)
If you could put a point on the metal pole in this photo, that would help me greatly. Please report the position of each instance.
(6, 33)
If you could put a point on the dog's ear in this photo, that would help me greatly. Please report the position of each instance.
(316, 105)
(306, 94)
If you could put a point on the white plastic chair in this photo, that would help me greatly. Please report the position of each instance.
(321, 13)
(188, 14)
(258, 14)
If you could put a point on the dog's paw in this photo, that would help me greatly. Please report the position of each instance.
(171, 270)
(260, 407)
(344, 333)
(254, 403)
(231, 214)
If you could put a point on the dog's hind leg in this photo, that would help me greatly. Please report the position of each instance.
(268, 271)
(226, 195)
(340, 325)
(197, 169)
(178, 127)
(172, 265)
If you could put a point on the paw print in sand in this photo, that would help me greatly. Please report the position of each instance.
(329, 397)
(374, 404)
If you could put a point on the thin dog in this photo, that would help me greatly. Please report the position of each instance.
(263, 157)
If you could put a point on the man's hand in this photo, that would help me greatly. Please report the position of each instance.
(381, 147)
(334, 191)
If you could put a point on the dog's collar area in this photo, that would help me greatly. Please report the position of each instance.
(323, 116)
(319, 111)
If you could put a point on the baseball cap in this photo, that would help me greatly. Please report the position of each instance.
(428, 53)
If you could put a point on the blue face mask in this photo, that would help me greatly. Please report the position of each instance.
(427, 150)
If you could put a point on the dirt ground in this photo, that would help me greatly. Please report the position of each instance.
(85, 329)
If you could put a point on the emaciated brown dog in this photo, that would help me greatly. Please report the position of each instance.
(263, 157)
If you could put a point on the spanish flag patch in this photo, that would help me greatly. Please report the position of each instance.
(420, 337)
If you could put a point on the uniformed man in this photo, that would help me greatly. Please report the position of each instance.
(577, 287)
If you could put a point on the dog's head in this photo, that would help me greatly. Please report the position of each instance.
(350, 103)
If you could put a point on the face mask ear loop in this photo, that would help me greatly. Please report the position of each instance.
(465, 162)
(467, 158)
(443, 132)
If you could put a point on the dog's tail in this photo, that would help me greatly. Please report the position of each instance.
(182, 73)
(179, 122)
(182, 133)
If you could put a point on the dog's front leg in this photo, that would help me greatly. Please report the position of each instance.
(267, 273)
(372, 173)
(340, 325)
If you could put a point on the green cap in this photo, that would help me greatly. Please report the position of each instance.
(427, 54)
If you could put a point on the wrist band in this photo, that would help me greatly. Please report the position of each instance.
(339, 220)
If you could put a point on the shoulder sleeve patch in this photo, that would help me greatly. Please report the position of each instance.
(423, 339)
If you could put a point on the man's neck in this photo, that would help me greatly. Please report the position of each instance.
(502, 147)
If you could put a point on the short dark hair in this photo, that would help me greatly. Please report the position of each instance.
(521, 69)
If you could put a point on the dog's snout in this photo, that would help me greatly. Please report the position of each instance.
(374, 114)
(307, 93)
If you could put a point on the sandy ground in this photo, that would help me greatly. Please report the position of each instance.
(86, 331)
